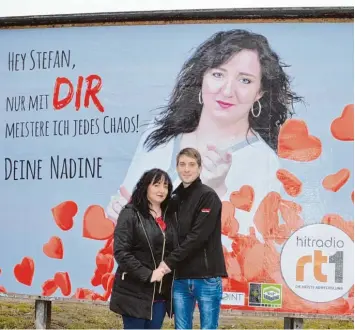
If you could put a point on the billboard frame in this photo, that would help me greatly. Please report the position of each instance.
(194, 16)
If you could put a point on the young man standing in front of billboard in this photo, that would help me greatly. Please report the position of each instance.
(198, 260)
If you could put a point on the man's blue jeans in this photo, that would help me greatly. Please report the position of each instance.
(206, 292)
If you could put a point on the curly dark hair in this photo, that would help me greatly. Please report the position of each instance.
(139, 196)
(182, 114)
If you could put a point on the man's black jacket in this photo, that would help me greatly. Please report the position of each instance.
(200, 253)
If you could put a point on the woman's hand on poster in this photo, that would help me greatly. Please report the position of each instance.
(117, 203)
(215, 167)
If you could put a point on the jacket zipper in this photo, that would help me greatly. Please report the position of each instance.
(162, 256)
(171, 295)
(206, 261)
(155, 265)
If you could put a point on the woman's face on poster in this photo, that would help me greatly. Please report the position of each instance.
(230, 90)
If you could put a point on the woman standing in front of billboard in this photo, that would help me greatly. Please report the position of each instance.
(229, 101)
(144, 234)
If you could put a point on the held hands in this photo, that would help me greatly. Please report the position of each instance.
(159, 273)
(215, 167)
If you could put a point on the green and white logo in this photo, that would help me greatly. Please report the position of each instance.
(271, 294)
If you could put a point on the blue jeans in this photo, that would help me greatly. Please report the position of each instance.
(159, 310)
(206, 292)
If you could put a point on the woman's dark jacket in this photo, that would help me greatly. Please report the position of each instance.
(136, 240)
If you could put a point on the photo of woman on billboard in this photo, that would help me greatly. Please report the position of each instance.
(229, 101)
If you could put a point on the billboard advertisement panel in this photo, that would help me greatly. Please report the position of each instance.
(86, 110)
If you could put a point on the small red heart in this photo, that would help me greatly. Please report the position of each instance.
(352, 196)
(24, 271)
(104, 263)
(49, 287)
(2, 289)
(0, 271)
(106, 279)
(96, 225)
(291, 184)
(54, 248)
(334, 182)
(96, 296)
(64, 213)
(62, 279)
(97, 278)
(243, 199)
(82, 293)
(342, 128)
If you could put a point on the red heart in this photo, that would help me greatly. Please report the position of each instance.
(342, 128)
(243, 199)
(108, 248)
(0, 270)
(334, 182)
(104, 263)
(49, 287)
(290, 214)
(82, 293)
(96, 225)
(63, 282)
(54, 248)
(96, 296)
(266, 218)
(352, 196)
(64, 213)
(291, 184)
(230, 225)
(105, 280)
(24, 271)
(296, 144)
(97, 278)
(2, 289)
(109, 288)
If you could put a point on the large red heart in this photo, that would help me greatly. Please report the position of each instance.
(49, 287)
(96, 225)
(64, 213)
(334, 182)
(54, 248)
(243, 199)
(62, 279)
(295, 143)
(342, 128)
(24, 271)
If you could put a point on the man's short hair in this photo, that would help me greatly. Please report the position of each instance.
(189, 152)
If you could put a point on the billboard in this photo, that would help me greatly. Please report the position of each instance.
(85, 110)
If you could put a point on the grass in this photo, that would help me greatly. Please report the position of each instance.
(16, 314)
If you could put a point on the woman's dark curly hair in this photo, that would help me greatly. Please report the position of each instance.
(182, 114)
(139, 196)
